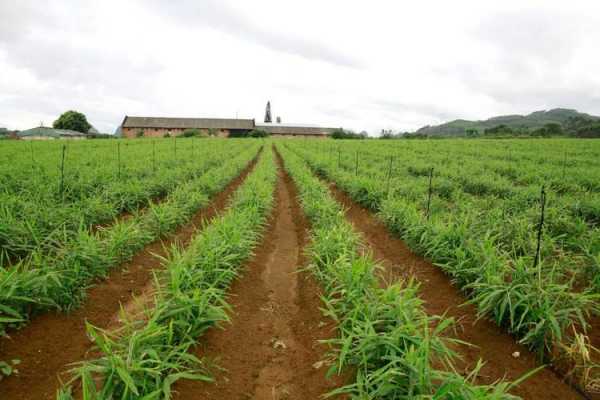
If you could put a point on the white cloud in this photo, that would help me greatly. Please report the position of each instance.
(342, 63)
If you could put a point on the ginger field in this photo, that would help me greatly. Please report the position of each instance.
(296, 269)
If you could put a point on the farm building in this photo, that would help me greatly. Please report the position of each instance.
(46, 133)
(221, 127)
(291, 131)
(159, 127)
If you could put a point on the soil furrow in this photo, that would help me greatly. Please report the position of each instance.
(503, 357)
(52, 341)
(270, 350)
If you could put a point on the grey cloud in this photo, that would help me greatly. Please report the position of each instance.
(341, 114)
(529, 65)
(520, 48)
(53, 59)
(435, 111)
(546, 37)
(529, 90)
(49, 103)
(73, 73)
(218, 15)
(580, 98)
(389, 113)
(526, 45)
(16, 17)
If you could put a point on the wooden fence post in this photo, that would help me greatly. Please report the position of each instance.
(62, 172)
(153, 156)
(539, 231)
(429, 192)
(389, 177)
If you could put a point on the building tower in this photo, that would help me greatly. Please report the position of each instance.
(268, 112)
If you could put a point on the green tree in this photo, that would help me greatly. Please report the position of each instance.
(554, 129)
(385, 134)
(72, 120)
(472, 132)
(340, 133)
(499, 130)
(590, 131)
(191, 132)
(258, 133)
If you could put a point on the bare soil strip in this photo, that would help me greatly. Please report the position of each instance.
(52, 341)
(270, 350)
(504, 358)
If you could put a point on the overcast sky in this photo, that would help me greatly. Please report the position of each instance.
(362, 65)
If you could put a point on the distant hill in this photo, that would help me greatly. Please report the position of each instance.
(534, 120)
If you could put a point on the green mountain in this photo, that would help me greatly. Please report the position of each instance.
(535, 120)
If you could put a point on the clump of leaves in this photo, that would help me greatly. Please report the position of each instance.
(8, 369)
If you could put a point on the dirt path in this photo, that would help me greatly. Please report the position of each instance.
(52, 341)
(270, 350)
(493, 345)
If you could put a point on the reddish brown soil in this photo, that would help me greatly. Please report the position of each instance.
(491, 343)
(52, 341)
(270, 350)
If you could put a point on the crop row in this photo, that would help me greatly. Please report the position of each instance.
(92, 166)
(37, 217)
(489, 254)
(458, 171)
(59, 280)
(150, 352)
(396, 349)
(508, 214)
